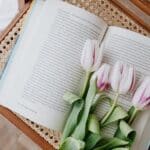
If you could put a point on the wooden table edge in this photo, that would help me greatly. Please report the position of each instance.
(25, 128)
(129, 13)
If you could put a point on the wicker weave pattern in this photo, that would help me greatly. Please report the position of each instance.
(111, 14)
(103, 8)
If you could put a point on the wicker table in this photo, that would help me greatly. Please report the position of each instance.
(102, 8)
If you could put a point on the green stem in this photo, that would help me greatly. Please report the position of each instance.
(76, 109)
(133, 115)
(111, 109)
(72, 120)
(85, 84)
(79, 132)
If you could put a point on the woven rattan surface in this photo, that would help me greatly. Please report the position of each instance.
(102, 8)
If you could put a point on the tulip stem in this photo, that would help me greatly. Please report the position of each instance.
(133, 115)
(84, 88)
(111, 110)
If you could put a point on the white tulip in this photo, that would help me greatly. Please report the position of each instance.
(122, 78)
(141, 98)
(103, 77)
(91, 55)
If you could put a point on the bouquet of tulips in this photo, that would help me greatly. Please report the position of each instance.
(83, 129)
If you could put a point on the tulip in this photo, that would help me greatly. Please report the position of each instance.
(100, 79)
(122, 78)
(91, 55)
(103, 77)
(141, 98)
(102, 82)
(140, 101)
(91, 59)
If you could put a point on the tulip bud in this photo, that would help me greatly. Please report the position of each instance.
(141, 98)
(103, 77)
(91, 55)
(122, 78)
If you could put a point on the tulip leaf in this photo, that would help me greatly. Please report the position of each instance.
(93, 124)
(95, 101)
(72, 144)
(110, 101)
(127, 131)
(70, 97)
(85, 84)
(119, 134)
(92, 140)
(112, 143)
(133, 112)
(94, 132)
(117, 114)
(130, 112)
(97, 98)
(124, 130)
(80, 130)
(72, 119)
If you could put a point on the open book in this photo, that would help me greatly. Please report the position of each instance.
(45, 62)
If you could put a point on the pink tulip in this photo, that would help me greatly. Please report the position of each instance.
(103, 77)
(91, 55)
(141, 98)
(122, 78)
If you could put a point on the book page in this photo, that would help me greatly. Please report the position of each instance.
(132, 48)
(46, 61)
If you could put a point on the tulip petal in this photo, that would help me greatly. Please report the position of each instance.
(138, 94)
(122, 78)
(98, 56)
(132, 88)
(123, 86)
(141, 98)
(92, 54)
(100, 76)
(115, 77)
(103, 77)
(146, 99)
(87, 55)
(127, 79)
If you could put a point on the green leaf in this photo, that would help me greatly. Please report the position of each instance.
(70, 97)
(92, 140)
(110, 102)
(108, 114)
(93, 124)
(85, 85)
(117, 114)
(95, 101)
(72, 119)
(94, 132)
(72, 144)
(80, 130)
(103, 141)
(97, 98)
(130, 112)
(127, 131)
(118, 133)
(133, 112)
(113, 143)
(124, 130)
